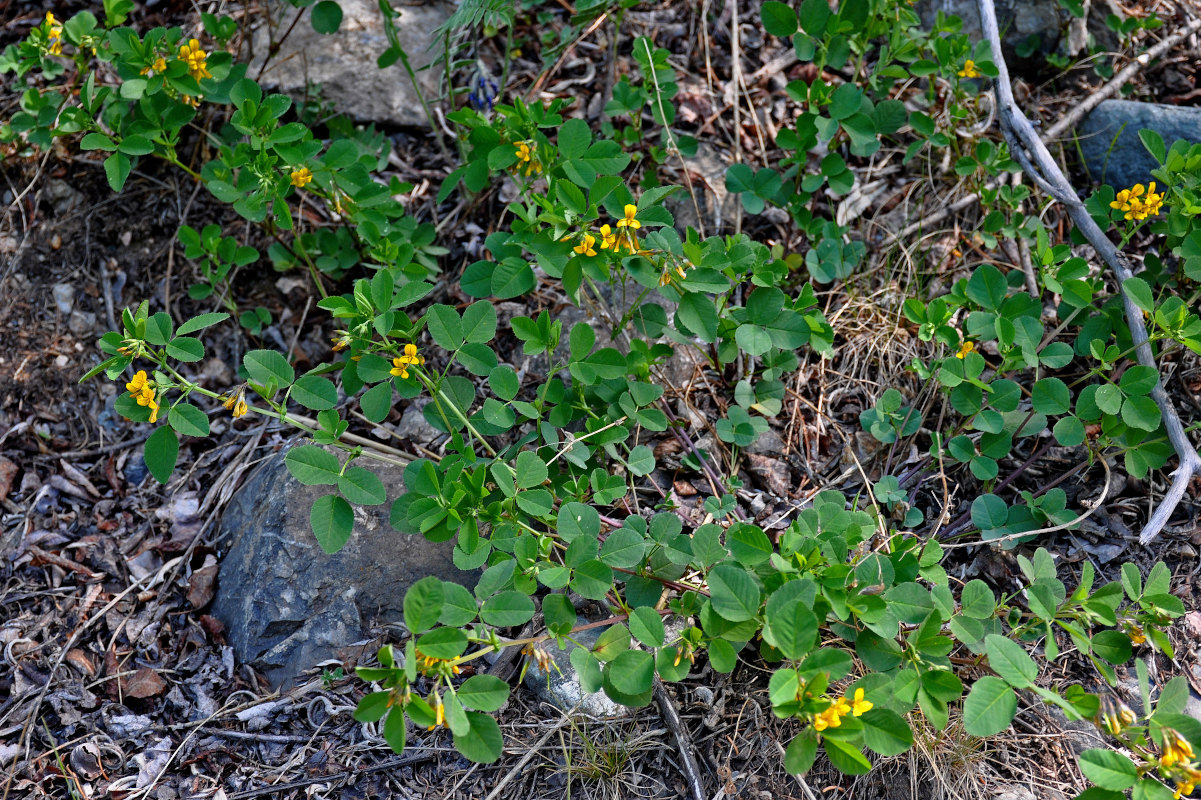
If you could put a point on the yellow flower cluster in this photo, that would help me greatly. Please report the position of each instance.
(969, 70)
(529, 158)
(832, 716)
(1116, 717)
(55, 34)
(1139, 202)
(401, 364)
(301, 177)
(236, 402)
(1177, 757)
(141, 389)
(965, 348)
(196, 59)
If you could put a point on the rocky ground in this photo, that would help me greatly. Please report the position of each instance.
(151, 650)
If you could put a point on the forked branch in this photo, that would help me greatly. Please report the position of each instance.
(1036, 160)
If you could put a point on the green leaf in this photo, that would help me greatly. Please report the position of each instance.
(189, 420)
(161, 452)
(647, 626)
(779, 19)
(362, 487)
(977, 600)
(1154, 144)
(423, 604)
(574, 138)
(987, 287)
(483, 742)
(531, 470)
(909, 602)
(327, 17)
(698, 314)
(376, 402)
(733, 593)
(158, 329)
(1113, 646)
(989, 707)
(117, 168)
(313, 466)
(1051, 396)
(484, 692)
(1010, 660)
(265, 366)
(1139, 291)
(315, 392)
(632, 672)
(801, 753)
(332, 520)
(847, 758)
(186, 349)
(479, 323)
(507, 609)
(1108, 769)
(200, 322)
(1139, 380)
(886, 732)
(445, 327)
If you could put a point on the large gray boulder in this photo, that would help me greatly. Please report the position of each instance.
(344, 62)
(287, 605)
(1113, 153)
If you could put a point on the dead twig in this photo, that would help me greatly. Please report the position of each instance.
(692, 773)
(1040, 165)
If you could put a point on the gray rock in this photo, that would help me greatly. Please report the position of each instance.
(1113, 153)
(285, 603)
(562, 688)
(343, 63)
(414, 426)
(64, 197)
(64, 297)
(135, 470)
(82, 323)
(717, 206)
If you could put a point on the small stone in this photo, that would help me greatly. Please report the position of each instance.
(56, 242)
(414, 426)
(62, 362)
(64, 297)
(81, 323)
(562, 687)
(135, 470)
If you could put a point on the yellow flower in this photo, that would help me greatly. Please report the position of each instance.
(400, 364)
(138, 383)
(341, 341)
(54, 34)
(302, 177)
(194, 102)
(142, 390)
(1183, 788)
(439, 713)
(969, 70)
(158, 67)
(526, 156)
(670, 272)
(196, 59)
(628, 220)
(585, 248)
(608, 238)
(841, 707)
(1139, 202)
(965, 348)
(859, 705)
(236, 403)
(1175, 750)
(1137, 635)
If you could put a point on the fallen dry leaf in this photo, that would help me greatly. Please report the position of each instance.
(8, 471)
(143, 683)
(200, 585)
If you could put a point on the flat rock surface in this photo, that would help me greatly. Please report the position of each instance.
(1113, 153)
(344, 63)
(285, 603)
